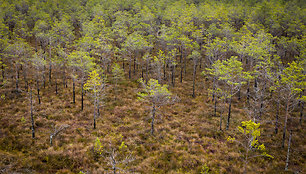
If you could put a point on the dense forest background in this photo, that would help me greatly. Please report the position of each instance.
(152, 86)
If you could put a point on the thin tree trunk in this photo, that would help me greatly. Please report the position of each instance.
(215, 108)
(173, 75)
(56, 87)
(2, 72)
(25, 79)
(130, 62)
(277, 116)
(17, 77)
(82, 98)
(285, 124)
(44, 80)
(134, 71)
(221, 120)
(301, 104)
(50, 63)
(185, 62)
(246, 161)
(38, 89)
(164, 71)
(147, 71)
(95, 105)
(153, 118)
(142, 71)
(32, 117)
(194, 76)
(229, 112)
(214, 88)
(98, 109)
(50, 71)
(288, 151)
(181, 73)
(64, 77)
(123, 64)
(73, 90)
(248, 94)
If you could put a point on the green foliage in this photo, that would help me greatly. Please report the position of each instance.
(250, 143)
(205, 169)
(118, 73)
(94, 82)
(98, 148)
(81, 61)
(154, 92)
(136, 41)
(294, 78)
(215, 49)
(22, 119)
(231, 72)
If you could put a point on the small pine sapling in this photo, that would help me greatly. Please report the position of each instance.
(118, 75)
(155, 94)
(251, 147)
(115, 152)
(96, 86)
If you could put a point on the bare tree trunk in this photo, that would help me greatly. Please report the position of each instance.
(277, 116)
(2, 72)
(221, 120)
(50, 71)
(153, 118)
(229, 112)
(173, 75)
(50, 63)
(44, 80)
(288, 151)
(147, 71)
(285, 124)
(142, 71)
(64, 78)
(130, 62)
(246, 161)
(95, 105)
(56, 87)
(181, 73)
(185, 62)
(194, 78)
(181, 57)
(17, 77)
(32, 117)
(73, 90)
(134, 71)
(248, 94)
(38, 89)
(164, 71)
(123, 64)
(214, 88)
(215, 108)
(301, 104)
(25, 78)
(82, 98)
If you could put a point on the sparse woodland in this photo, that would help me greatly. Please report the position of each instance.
(152, 86)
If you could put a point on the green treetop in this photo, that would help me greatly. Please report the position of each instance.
(250, 143)
(155, 94)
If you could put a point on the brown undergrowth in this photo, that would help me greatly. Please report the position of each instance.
(187, 134)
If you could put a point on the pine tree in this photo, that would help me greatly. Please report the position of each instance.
(96, 86)
(155, 94)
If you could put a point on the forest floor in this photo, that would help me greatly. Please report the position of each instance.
(187, 138)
